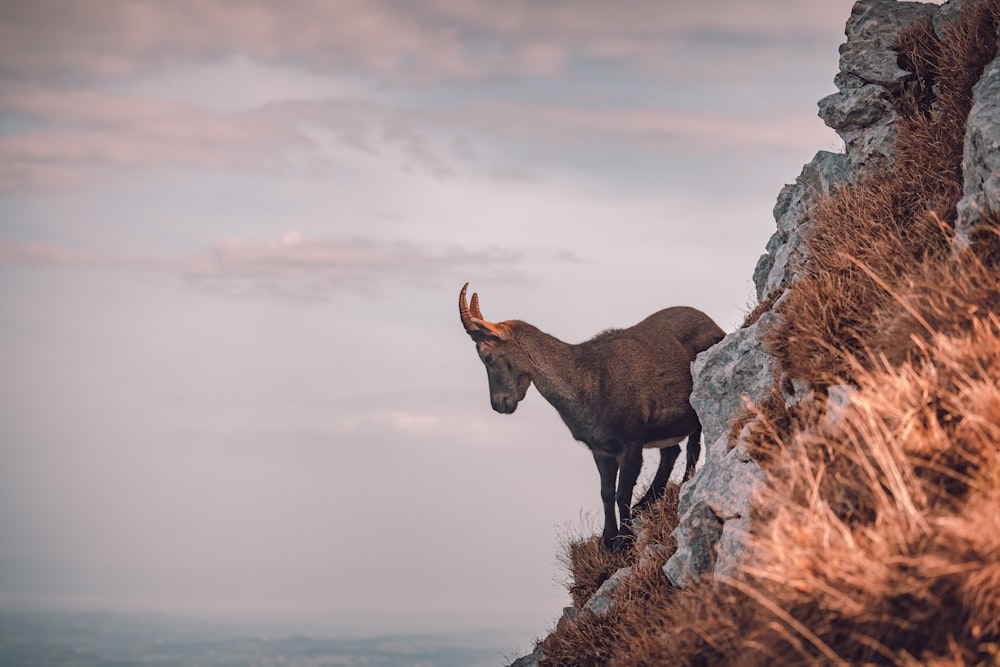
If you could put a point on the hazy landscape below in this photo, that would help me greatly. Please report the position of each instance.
(98, 639)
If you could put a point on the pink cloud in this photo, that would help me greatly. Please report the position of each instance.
(77, 134)
(113, 38)
(315, 268)
(52, 50)
(43, 254)
(291, 267)
(654, 129)
(436, 39)
(74, 136)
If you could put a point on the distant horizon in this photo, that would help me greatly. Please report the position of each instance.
(279, 627)
(330, 624)
(150, 636)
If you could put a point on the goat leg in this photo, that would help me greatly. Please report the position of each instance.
(668, 456)
(607, 466)
(629, 465)
(693, 452)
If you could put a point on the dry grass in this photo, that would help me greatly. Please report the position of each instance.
(587, 639)
(589, 565)
(879, 528)
(876, 539)
(872, 234)
(754, 312)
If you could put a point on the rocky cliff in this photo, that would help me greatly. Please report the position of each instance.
(901, 74)
(715, 505)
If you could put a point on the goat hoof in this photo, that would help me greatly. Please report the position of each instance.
(609, 542)
(622, 543)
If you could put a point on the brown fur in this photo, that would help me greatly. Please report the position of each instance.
(619, 392)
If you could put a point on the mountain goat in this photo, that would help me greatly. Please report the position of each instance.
(620, 392)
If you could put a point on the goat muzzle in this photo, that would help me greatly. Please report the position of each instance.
(504, 405)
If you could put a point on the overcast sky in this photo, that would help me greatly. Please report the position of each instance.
(232, 236)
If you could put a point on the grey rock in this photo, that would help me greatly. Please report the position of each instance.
(765, 264)
(946, 15)
(871, 62)
(817, 179)
(862, 110)
(737, 366)
(714, 504)
(568, 615)
(871, 149)
(981, 159)
(651, 553)
(845, 81)
(601, 602)
(838, 399)
(715, 519)
(779, 266)
(877, 23)
(531, 660)
(869, 54)
(865, 107)
(701, 531)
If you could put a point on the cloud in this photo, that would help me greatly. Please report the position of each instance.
(432, 40)
(67, 66)
(114, 38)
(68, 137)
(315, 268)
(75, 135)
(88, 90)
(292, 266)
(653, 129)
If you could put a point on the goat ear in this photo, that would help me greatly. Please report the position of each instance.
(483, 330)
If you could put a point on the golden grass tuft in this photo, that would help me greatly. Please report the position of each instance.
(882, 526)
(754, 313)
(586, 639)
(590, 565)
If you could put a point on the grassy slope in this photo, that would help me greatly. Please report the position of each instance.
(877, 538)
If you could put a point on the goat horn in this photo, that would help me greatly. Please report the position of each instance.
(463, 310)
(473, 320)
(475, 307)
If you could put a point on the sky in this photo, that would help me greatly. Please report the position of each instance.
(232, 236)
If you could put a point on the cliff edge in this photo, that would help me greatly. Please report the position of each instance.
(850, 495)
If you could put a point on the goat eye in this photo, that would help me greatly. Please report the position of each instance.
(487, 358)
